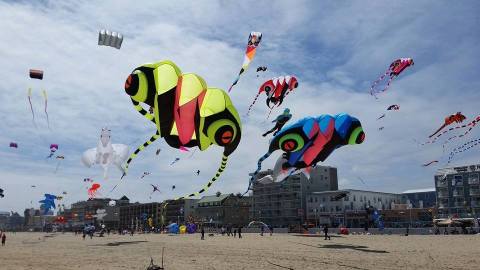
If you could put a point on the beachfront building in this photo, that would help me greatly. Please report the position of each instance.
(36, 220)
(347, 206)
(284, 203)
(136, 216)
(420, 198)
(458, 191)
(224, 209)
(86, 212)
(178, 211)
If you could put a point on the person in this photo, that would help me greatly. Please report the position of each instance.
(270, 227)
(408, 229)
(240, 232)
(4, 238)
(262, 230)
(234, 232)
(203, 233)
(280, 121)
(325, 231)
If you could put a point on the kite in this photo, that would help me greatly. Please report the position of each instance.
(112, 203)
(430, 163)
(186, 112)
(155, 188)
(311, 140)
(92, 191)
(198, 172)
(175, 161)
(470, 126)
(112, 39)
(381, 116)
(280, 121)
(253, 42)
(276, 90)
(36, 74)
(33, 186)
(59, 158)
(64, 193)
(48, 203)
(173, 187)
(144, 174)
(53, 149)
(31, 106)
(87, 180)
(394, 107)
(393, 71)
(451, 119)
(158, 151)
(381, 128)
(263, 69)
(257, 223)
(1, 193)
(464, 147)
(106, 153)
(13, 145)
(46, 105)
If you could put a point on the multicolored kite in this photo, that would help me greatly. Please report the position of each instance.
(393, 71)
(276, 90)
(311, 140)
(185, 111)
(280, 121)
(253, 42)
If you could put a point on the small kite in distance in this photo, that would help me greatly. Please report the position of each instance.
(430, 163)
(112, 39)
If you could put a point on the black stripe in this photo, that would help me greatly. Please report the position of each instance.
(145, 144)
(137, 151)
(209, 184)
(201, 190)
(217, 175)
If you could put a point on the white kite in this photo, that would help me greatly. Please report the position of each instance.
(106, 153)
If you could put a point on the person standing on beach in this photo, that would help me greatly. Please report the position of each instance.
(262, 230)
(240, 232)
(325, 231)
(4, 238)
(203, 233)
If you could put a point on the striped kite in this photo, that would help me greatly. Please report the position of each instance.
(393, 71)
(253, 42)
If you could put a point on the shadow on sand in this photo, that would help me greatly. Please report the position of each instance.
(116, 244)
(346, 246)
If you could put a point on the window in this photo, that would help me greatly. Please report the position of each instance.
(316, 199)
(310, 200)
(354, 198)
(323, 199)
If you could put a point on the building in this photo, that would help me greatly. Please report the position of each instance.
(179, 211)
(420, 198)
(84, 212)
(346, 206)
(284, 203)
(224, 209)
(35, 220)
(458, 191)
(136, 216)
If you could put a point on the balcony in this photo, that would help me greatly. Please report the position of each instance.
(459, 204)
(475, 203)
(458, 193)
(443, 194)
(443, 205)
(441, 183)
(474, 192)
(473, 181)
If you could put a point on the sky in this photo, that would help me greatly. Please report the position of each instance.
(335, 49)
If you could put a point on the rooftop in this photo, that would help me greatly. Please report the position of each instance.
(419, 190)
(213, 198)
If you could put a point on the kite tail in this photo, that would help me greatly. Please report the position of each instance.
(143, 112)
(251, 105)
(270, 112)
(373, 90)
(207, 186)
(259, 167)
(138, 150)
(31, 106)
(46, 104)
(234, 83)
(438, 130)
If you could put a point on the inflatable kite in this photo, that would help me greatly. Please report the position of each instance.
(198, 172)
(468, 128)
(112, 203)
(464, 147)
(276, 90)
(48, 203)
(92, 191)
(253, 42)
(311, 140)
(394, 107)
(393, 71)
(451, 119)
(186, 112)
(53, 149)
(257, 223)
(112, 39)
(106, 153)
(381, 116)
(280, 121)
(13, 145)
(36, 74)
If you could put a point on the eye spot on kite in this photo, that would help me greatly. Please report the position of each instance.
(227, 137)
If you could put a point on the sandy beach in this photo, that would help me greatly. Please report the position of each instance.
(67, 251)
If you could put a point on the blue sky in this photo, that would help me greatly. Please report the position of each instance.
(335, 49)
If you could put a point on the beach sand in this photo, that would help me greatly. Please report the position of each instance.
(67, 251)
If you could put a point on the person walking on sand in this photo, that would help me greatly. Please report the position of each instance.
(240, 232)
(4, 238)
(203, 233)
(262, 230)
(325, 231)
